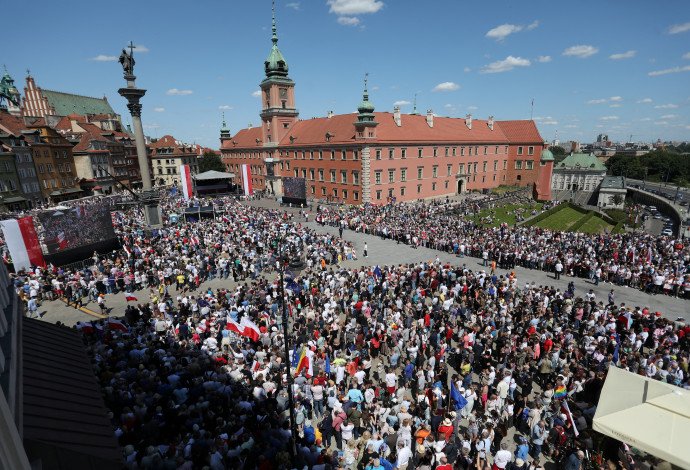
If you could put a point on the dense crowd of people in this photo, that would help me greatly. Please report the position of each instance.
(410, 366)
(654, 264)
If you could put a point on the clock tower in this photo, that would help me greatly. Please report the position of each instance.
(278, 112)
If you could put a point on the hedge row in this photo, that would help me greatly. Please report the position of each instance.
(581, 222)
(543, 215)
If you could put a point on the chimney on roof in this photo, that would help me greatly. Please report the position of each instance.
(430, 117)
(249, 126)
(491, 122)
(330, 114)
(396, 116)
(468, 121)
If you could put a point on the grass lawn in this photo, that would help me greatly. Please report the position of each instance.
(561, 220)
(506, 213)
(595, 225)
(505, 189)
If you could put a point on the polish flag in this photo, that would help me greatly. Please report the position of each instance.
(186, 182)
(130, 298)
(246, 174)
(250, 329)
(115, 324)
(128, 250)
(60, 239)
(85, 327)
(232, 325)
(268, 318)
(22, 241)
(566, 410)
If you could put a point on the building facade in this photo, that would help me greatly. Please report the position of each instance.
(578, 172)
(167, 156)
(11, 196)
(375, 157)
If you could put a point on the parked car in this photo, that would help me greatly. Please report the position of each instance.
(667, 233)
(683, 203)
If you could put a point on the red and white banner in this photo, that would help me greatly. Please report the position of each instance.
(245, 172)
(115, 324)
(186, 181)
(566, 410)
(250, 329)
(130, 298)
(22, 241)
(85, 327)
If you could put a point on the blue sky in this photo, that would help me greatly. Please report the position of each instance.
(616, 67)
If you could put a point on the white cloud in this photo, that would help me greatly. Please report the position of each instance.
(624, 55)
(471, 108)
(666, 106)
(348, 20)
(615, 98)
(550, 123)
(225, 106)
(151, 126)
(257, 94)
(467, 69)
(645, 100)
(544, 58)
(615, 105)
(533, 25)
(509, 63)
(669, 116)
(141, 48)
(581, 51)
(500, 32)
(673, 70)
(645, 119)
(293, 5)
(354, 7)
(570, 126)
(159, 110)
(678, 28)
(375, 88)
(402, 103)
(446, 86)
(175, 91)
(448, 105)
(104, 58)
(609, 118)
(603, 100)
(661, 123)
(686, 55)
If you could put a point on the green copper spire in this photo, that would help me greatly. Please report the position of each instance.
(365, 108)
(224, 131)
(275, 65)
(414, 111)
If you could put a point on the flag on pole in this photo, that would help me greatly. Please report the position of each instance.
(327, 366)
(251, 331)
(186, 182)
(232, 325)
(295, 357)
(22, 242)
(637, 218)
(458, 399)
(85, 327)
(566, 409)
(130, 298)
(377, 272)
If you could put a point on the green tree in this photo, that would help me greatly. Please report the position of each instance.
(557, 150)
(211, 161)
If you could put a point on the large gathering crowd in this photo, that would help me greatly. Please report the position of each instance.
(427, 366)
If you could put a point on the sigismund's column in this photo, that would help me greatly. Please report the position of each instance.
(149, 198)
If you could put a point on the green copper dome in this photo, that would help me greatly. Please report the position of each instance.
(365, 107)
(546, 156)
(224, 131)
(275, 65)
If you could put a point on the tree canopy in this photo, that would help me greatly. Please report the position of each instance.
(211, 161)
(661, 165)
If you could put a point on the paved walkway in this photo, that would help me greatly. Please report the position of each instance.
(387, 252)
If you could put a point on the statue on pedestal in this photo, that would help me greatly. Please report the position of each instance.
(127, 62)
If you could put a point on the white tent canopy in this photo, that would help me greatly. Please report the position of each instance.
(650, 415)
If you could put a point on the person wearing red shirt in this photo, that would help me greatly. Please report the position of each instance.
(444, 465)
(446, 428)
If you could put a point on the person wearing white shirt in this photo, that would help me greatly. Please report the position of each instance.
(503, 456)
(404, 455)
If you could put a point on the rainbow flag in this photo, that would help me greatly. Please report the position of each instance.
(560, 392)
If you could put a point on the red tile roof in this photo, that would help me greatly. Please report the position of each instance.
(245, 138)
(11, 124)
(521, 131)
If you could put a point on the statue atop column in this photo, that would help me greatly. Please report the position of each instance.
(127, 60)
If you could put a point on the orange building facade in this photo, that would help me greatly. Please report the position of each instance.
(373, 157)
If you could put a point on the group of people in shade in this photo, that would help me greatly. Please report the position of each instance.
(435, 365)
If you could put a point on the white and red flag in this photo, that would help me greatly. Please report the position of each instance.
(250, 329)
(186, 182)
(115, 324)
(130, 297)
(22, 241)
(245, 172)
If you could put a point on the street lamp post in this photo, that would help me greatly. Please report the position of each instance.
(149, 198)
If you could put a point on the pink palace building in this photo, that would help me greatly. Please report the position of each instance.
(372, 157)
